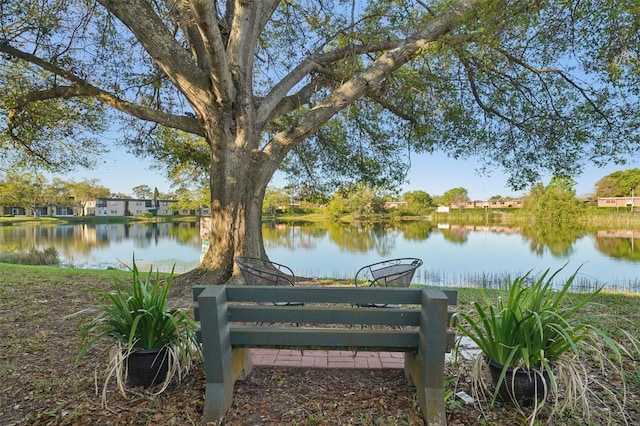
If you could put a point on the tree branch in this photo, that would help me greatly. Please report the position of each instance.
(361, 83)
(315, 63)
(171, 57)
(81, 88)
(564, 76)
(474, 91)
(206, 18)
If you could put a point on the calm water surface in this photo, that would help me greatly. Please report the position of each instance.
(452, 255)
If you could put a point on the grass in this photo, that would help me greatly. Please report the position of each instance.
(51, 276)
(606, 306)
(32, 322)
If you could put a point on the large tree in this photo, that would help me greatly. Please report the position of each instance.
(331, 91)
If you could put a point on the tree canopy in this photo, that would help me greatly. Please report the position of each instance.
(556, 203)
(32, 191)
(417, 201)
(454, 195)
(619, 184)
(331, 91)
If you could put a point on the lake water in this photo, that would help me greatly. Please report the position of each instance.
(452, 255)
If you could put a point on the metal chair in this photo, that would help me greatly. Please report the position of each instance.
(388, 273)
(257, 271)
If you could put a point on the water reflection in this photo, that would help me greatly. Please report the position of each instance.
(458, 254)
(103, 245)
(619, 244)
(452, 253)
(558, 239)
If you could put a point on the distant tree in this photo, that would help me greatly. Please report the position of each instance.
(121, 195)
(363, 200)
(191, 198)
(533, 198)
(85, 191)
(417, 201)
(495, 198)
(619, 184)
(309, 193)
(23, 189)
(169, 195)
(555, 203)
(454, 195)
(156, 197)
(58, 194)
(359, 200)
(337, 205)
(141, 191)
(273, 198)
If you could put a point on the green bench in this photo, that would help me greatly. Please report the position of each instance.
(234, 319)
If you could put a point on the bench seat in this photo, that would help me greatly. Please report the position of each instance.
(234, 319)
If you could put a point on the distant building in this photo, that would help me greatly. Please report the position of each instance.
(619, 202)
(137, 207)
(43, 211)
(109, 207)
(128, 207)
(395, 204)
(490, 204)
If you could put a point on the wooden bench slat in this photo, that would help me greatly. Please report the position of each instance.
(323, 295)
(325, 338)
(324, 315)
(329, 294)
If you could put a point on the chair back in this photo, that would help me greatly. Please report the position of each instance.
(388, 273)
(257, 271)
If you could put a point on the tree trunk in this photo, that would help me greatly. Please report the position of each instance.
(236, 210)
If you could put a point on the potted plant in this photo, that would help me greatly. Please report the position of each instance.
(153, 343)
(530, 338)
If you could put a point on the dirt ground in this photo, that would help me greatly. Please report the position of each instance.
(40, 384)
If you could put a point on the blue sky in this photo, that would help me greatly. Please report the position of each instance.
(433, 173)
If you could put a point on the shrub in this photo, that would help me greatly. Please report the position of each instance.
(33, 256)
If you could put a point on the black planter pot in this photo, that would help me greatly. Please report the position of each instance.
(521, 385)
(147, 367)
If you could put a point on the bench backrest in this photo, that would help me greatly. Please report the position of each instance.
(328, 318)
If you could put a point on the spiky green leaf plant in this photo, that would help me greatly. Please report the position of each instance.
(534, 326)
(136, 316)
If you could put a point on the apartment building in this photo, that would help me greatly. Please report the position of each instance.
(105, 207)
(490, 204)
(137, 207)
(627, 202)
(128, 207)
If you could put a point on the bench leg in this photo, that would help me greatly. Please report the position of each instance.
(219, 396)
(430, 398)
(242, 363)
(223, 365)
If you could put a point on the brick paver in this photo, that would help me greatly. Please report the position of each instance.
(341, 359)
(326, 359)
